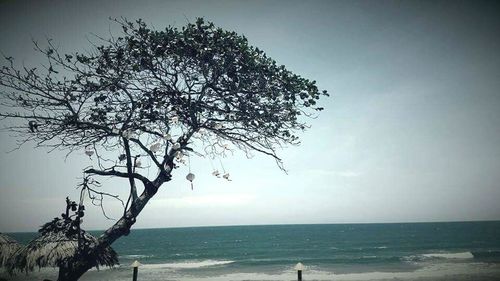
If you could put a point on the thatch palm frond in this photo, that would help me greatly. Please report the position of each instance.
(8, 247)
(54, 248)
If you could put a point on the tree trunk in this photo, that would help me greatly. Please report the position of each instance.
(119, 229)
(123, 225)
(75, 270)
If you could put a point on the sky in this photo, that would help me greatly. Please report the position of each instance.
(411, 132)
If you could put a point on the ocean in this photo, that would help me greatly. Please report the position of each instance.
(396, 251)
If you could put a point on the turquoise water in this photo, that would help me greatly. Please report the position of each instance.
(329, 248)
(321, 245)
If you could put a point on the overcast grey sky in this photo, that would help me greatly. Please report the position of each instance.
(411, 132)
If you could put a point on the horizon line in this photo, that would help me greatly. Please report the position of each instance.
(285, 224)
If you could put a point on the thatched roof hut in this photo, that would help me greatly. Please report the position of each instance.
(59, 246)
(8, 247)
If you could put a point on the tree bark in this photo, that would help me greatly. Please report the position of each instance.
(123, 225)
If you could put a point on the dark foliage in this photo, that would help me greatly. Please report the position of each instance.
(196, 79)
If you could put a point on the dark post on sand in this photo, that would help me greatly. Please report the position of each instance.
(299, 267)
(135, 265)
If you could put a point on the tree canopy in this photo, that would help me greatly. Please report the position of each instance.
(197, 82)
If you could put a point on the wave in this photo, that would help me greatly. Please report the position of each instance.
(188, 264)
(136, 256)
(367, 248)
(460, 271)
(366, 259)
(437, 256)
(462, 255)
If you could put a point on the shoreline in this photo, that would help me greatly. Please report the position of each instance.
(439, 272)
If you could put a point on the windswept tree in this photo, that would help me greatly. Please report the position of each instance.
(155, 96)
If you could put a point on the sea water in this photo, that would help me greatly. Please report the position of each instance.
(458, 250)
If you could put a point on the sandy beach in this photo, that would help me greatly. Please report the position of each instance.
(443, 272)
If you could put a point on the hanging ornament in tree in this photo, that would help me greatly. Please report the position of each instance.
(216, 173)
(155, 147)
(115, 131)
(190, 178)
(138, 163)
(89, 151)
(226, 174)
(174, 120)
(176, 146)
(167, 137)
(179, 157)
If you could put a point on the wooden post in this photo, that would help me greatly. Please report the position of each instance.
(136, 270)
(135, 265)
(299, 267)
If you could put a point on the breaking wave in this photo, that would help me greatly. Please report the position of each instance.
(188, 264)
(463, 255)
(440, 255)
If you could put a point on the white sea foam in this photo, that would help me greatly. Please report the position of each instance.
(441, 272)
(187, 264)
(462, 255)
(135, 256)
(446, 271)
